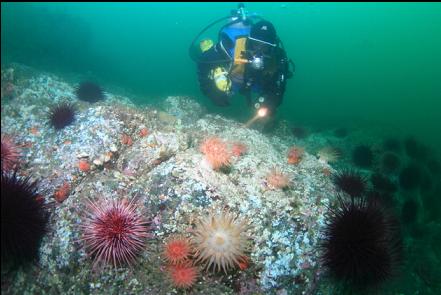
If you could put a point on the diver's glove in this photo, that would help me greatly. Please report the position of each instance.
(220, 77)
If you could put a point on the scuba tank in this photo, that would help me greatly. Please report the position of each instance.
(238, 17)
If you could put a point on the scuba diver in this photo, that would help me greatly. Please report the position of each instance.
(248, 59)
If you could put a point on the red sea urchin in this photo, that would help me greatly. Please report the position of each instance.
(114, 233)
(90, 92)
(10, 153)
(62, 115)
(362, 244)
(24, 219)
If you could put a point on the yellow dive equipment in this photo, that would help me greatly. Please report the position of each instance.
(220, 78)
(206, 44)
(239, 49)
(238, 68)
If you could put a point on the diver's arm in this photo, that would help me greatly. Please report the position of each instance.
(206, 82)
(209, 89)
(275, 89)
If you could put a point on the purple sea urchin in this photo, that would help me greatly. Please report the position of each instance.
(415, 149)
(434, 167)
(62, 115)
(410, 177)
(382, 183)
(390, 162)
(362, 156)
(24, 219)
(90, 92)
(409, 211)
(362, 244)
(392, 145)
(350, 182)
(114, 233)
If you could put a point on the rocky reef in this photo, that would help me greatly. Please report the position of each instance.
(117, 150)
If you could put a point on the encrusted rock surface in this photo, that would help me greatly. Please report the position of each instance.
(174, 185)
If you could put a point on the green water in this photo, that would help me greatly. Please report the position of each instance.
(369, 63)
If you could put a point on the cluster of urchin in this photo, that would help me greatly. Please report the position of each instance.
(361, 248)
(63, 114)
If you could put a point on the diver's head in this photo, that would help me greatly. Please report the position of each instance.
(261, 42)
(263, 37)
